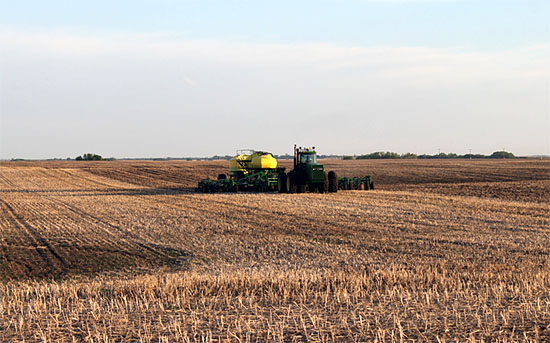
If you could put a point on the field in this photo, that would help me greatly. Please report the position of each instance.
(449, 251)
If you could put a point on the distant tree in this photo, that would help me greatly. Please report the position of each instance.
(89, 157)
(450, 155)
(379, 155)
(470, 156)
(348, 158)
(442, 155)
(219, 157)
(502, 154)
(409, 155)
(283, 157)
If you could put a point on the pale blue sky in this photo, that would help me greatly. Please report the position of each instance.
(481, 24)
(198, 78)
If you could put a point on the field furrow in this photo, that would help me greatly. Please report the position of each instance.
(444, 251)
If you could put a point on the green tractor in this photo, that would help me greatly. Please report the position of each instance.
(307, 175)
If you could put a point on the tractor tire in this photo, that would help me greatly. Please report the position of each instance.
(288, 184)
(282, 186)
(366, 186)
(371, 186)
(293, 187)
(323, 187)
(222, 177)
(332, 182)
(301, 181)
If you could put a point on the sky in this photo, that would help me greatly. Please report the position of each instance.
(185, 78)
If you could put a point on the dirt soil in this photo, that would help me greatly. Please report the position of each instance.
(127, 251)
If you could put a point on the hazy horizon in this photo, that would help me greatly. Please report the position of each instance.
(203, 78)
(224, 156)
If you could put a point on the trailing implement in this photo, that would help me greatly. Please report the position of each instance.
(249, 170)
(357, 183)
(258, 171)
(212, 186)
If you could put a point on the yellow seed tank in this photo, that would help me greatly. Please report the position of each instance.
(255, 161)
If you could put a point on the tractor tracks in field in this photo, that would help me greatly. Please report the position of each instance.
(146, 176)
(83, 178)
(272, 221)
(94, 238)
(41, 246)
(7, 181)
(130, 241)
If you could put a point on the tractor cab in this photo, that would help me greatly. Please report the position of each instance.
(306, 156)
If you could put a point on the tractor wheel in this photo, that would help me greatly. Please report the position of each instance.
(293, 187)
(323, 187)
(332, 182)
(282, 186)
(289, 182)
(301, 181)
(222, 177)
(371, 186)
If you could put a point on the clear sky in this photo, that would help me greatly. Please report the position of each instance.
(201, 77)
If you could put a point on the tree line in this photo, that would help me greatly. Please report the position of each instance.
(93, 157)
(393, 155)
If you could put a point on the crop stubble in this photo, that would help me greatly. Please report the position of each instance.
(408, 261)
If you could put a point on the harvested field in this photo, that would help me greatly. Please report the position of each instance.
(126, 251)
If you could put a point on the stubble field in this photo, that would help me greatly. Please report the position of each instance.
(455, 251)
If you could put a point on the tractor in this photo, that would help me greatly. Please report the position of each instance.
(307, 175)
